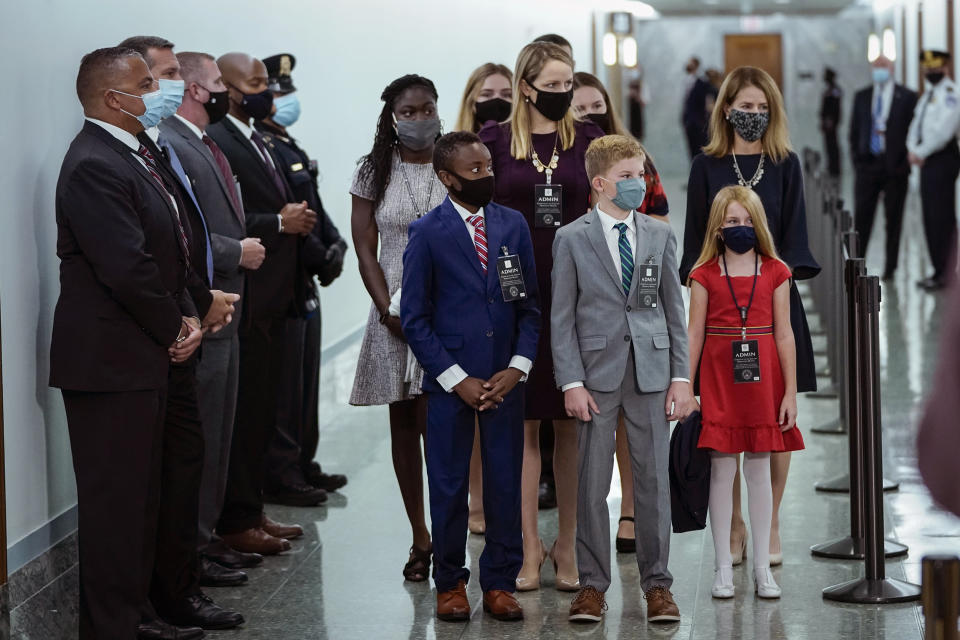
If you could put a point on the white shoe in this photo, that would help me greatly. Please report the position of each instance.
(723, 583)
(765, 586)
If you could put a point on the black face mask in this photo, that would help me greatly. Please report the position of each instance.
(217, 106)
(496, 109)
(602, 120)
(934, 77)
(477, 192)
(257, 105)
(553, 104)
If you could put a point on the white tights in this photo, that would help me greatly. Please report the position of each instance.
(756, 469)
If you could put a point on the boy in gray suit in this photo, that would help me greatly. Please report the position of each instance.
(620, 348)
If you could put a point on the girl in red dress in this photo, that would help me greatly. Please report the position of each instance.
(740, 331)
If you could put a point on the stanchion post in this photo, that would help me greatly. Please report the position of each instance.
(941, 597)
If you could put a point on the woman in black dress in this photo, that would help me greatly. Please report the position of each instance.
(750, 145)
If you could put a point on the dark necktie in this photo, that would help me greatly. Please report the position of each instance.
(277, 179)
(225, 171)
(151, 165)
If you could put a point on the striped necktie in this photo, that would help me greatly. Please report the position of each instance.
(480, 239)
(151, 165)
(626, 257)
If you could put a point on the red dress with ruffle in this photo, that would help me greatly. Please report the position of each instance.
(740, 417)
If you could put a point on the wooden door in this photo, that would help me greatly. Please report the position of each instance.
(763, 50)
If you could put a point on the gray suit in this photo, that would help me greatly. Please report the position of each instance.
(625, 356)
(218, 369)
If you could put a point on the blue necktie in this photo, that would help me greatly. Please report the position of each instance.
(177, 167)
(876, 140)
(626, 257)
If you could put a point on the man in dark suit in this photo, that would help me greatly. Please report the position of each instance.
(273, 293)
(476, 337)
(122, 316)
(830, 108)
(290, 460)
(878, 143)
(176, 590)
(695, 114)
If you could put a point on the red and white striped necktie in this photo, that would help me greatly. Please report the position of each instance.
(480, 239)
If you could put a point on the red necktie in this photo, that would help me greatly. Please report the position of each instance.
(225, 171)
(277, 178)
(152, 169)
(479, 239)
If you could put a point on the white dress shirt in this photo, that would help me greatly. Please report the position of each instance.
(455, 374)
(885, 91)
(612, 235)
(938, 113)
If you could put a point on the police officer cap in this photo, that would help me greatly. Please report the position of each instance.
(278, 72)
(934, 58)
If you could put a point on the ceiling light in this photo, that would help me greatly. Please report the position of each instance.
(629, 51)
(889, 44)
(873, 47)
(609, 49)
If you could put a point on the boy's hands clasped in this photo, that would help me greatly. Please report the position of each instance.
(483, 395)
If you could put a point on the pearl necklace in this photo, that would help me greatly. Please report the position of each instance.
(756, 176)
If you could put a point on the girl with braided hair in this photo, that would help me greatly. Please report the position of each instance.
(394, 185)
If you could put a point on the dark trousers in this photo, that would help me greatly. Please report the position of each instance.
(832, 147)
(696, 138)
(176, 574)
(938, 177)
(261, 359)
(449, 443)
(283, 457)
(310, 434)
(115, 439)
(871, 179)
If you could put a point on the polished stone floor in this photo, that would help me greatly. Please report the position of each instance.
(343, 580)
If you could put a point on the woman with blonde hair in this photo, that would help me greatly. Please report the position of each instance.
(750, 146)
(487, 96)
(538, 159)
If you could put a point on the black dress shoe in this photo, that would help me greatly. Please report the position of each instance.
(223, 555)
(887, 275)
(326, 481)
(931, 283)
(215, 575)
(547, 495)
(201, 611)
(160, 630)
(296, 495)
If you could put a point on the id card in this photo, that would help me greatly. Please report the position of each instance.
(648, 286)
(511, 278)
(746, 361)
(547, 205)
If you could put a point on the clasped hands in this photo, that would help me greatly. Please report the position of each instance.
(579, 403)
(297, 218)
(483, 395)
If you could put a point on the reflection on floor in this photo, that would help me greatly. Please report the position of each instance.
(343, 580)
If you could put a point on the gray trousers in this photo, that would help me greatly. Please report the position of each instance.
(649, 440)
(217, 376)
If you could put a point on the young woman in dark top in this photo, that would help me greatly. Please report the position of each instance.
(750, 146)
(544, 144)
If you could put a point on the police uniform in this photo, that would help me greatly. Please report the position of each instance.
(830, 121)
(290, 457)
(933, 138)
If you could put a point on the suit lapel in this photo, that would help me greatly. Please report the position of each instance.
(454, 225)
(599, 243)
(642, 251)
(248, 146)
(493, 223)
(200, 147)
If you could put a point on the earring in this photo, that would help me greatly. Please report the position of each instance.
(526, 99)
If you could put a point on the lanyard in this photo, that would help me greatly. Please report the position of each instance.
(417, 209)
(743, 310)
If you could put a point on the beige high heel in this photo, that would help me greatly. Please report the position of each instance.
(563, 583)
(738, 556)
(526, 583)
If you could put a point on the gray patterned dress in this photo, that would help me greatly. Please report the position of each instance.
(383, 357)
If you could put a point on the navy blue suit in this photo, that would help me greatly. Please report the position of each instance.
(453, 314)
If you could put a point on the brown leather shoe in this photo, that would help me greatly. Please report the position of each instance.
(502, 605)
(256, 540)
(660, 605)
(588, 606)
(453, 605)
(280, 530)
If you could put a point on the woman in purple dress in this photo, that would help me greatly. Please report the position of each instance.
(538, 155)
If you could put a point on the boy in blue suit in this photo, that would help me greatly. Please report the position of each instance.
(472, 319)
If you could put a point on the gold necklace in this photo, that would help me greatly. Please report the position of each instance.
(548, 168)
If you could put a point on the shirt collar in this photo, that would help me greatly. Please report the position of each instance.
(244, 127)
(609, 221)
(154, 134)
(463, 212)
(122, 135)
(190, 125)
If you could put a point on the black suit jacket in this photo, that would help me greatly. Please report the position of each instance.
(122, 271)
(275, 289)
(898, 123)
(695, 104)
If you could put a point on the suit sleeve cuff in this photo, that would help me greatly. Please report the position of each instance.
(572, 385)
(523, 364)
(687, 380)
(451, 377)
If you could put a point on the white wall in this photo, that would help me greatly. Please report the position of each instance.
(346, 53)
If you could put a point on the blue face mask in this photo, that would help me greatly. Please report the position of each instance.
(288, 109)
(881, 75)
(153, 102)
(172, 92)
(739, 239)
(630, 193)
